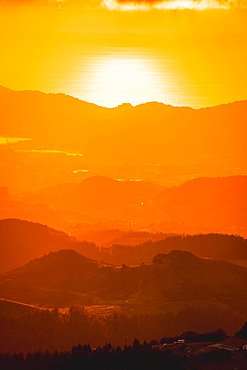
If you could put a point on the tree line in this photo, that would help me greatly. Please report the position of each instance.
(135, 357)
(41, 330)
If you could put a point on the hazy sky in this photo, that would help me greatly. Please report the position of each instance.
(181, 52)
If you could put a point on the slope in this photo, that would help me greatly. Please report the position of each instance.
(171, 282)
(21, 241)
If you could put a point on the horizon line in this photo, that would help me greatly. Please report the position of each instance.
(124, 103)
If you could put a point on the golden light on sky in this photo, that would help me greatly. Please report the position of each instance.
(61, 152)
(125, 77)
(163, 5)
(180, 52)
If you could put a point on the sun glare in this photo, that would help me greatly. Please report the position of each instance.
(124, 78)
(165, 5)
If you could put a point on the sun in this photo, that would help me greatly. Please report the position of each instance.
(123, 77)
(146, 5)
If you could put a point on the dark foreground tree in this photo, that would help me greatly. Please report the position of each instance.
(242, 333)
(135, 357)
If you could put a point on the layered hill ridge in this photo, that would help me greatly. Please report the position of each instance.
(64, 278)
(199, 205)
(71, 139)
(22, 99)
(211, 201)
(21, 241)
(151, 130)
(96, 192)
(5, 90)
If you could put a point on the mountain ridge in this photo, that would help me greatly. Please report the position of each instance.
(65, 278)
(21, 241)
(92, 125)
(123, 105)
(70, 138)
(198, 202)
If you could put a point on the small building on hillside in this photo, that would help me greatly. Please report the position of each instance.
(232, 344)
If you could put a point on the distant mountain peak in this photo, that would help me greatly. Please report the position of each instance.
(4, 90)
(125, 106)
(174, 255)
(98, 178)
(65, 253)
(64, 259)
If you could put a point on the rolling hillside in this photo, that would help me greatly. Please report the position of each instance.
(171, 282)
(200, 205)
(146, 141)
(21, 241)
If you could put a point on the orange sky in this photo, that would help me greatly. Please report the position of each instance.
(203, 41)
(110, 53)
(211, 17)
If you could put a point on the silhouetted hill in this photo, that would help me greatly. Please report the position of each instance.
(109, 237)
(5, 90)
(97, 193)
(17, 207)
(14, 309)
(203, 205)
(21, 108)
(221, 191)
(21, 241)
(173, 281)
(150, 123)
(219, 202)
(225, 247)
(180, 140)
